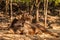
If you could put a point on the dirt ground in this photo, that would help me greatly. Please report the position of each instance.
(5, 36)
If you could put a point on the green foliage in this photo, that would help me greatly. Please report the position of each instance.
(27, 1)
(51, 0)
(56, 2)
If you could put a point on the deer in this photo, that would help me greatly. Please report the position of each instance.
(36, 28)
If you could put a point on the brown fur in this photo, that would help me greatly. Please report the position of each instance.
(38, 29)
(31, 29)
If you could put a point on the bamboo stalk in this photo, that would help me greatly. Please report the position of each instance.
(45, 11)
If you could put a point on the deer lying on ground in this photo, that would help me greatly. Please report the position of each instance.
(24, 26)
(37, 29)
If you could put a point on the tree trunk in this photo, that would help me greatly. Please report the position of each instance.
(37, 10)
(11, 9)
(7, 2)
(45, 11)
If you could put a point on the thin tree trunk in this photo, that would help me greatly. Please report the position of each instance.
(11, 9)
(37, 16)
(45, 11)
(7, 6)
(37, 10)
(37, 19)
(31, 9)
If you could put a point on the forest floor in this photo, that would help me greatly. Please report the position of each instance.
(55, 29)
(4, 36)
(53, 21)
